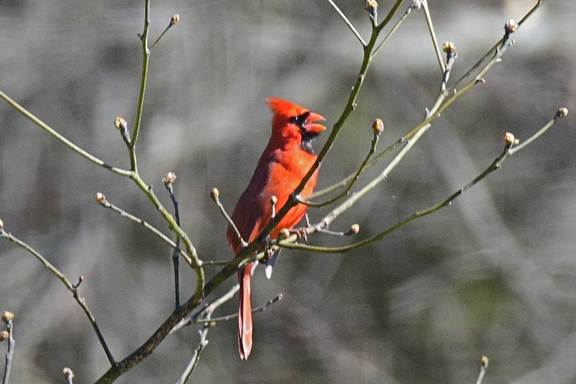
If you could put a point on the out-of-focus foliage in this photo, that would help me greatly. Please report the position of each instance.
(494, 274)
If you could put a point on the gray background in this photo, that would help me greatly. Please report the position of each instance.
(495, 274)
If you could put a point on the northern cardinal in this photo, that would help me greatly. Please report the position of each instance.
(282, 166)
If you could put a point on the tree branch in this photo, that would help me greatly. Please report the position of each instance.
(71, 287)
(87, 155)
(101, 199)
(375, 136)
(8, 318)
(348, 23)
(509, 150)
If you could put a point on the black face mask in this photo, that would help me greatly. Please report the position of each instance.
(307, 137)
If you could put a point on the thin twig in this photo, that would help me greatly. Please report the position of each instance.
(159, 234)
(30, 116)
(348, 23)
(215, 262)
(68, 375)
(215, 196)
(168, 182)
(142, 92)
(508, 151)
(393, 30)
(196, 263)
(260, 308)
(484, 362)
(173, 21)
(344, 182)
(346, 191)
(205, 315)
(390, 15)
(71, 287)
(196, 355)
(8, 318)
(437, 49)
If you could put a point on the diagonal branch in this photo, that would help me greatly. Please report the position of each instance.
(375, 136)
(509, 150)
(348, 23)
(101, 199)
(87, 155)
(71, 287)
(433, 36)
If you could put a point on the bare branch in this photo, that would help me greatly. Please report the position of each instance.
(393, 30)
(142, 93)
(87, 155)
(484, 362)
(68, 375)
(8, 319)
(173, 21)
(375, 136)
(348, 23)
(508, 151)
(71, 287)
(260, 308)
(168, 180)
(433, 36)
(102, 200)
(215, 196)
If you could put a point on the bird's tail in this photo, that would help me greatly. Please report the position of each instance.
(245, 312)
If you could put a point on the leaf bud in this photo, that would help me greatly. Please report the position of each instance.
(120, 123)
(214, 194)
(449, 48)
(511, 26)
(7, 316)
(174, 19)
(562, 112)
(169, 178)
(101, 198)
(354, 229)
(371, 6)
(378, 126)
(510, 139)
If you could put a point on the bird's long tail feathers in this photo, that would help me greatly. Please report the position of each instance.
(245, 312)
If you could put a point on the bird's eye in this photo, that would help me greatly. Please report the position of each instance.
(300, 119)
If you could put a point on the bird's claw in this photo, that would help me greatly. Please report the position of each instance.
(301, 233)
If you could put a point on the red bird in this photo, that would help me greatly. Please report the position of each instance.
(282, 166)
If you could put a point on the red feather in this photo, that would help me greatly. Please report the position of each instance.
(282, 165)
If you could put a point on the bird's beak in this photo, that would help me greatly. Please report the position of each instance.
(311, 125)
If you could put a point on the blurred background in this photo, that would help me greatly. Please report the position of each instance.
(493, 275)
